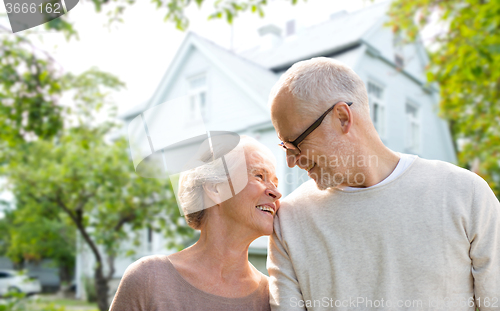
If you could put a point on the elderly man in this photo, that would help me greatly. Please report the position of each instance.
(373, 229)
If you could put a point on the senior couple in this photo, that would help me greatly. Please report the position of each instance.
(406, 234)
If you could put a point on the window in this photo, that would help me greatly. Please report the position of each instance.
(197, 97)
(399, 59)
(376, 95)
(412, 128)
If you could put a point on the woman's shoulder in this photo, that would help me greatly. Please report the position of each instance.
(259, 299)
(137, 286)
(147, 265)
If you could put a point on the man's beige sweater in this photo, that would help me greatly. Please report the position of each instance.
(427, 240)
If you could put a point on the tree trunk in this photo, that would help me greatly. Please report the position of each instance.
(18, 265)
(100, 282)
(101, 288)
(66, 277)
(65, 273)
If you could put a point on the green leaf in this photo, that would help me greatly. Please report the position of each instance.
(477, 71)
(494, 48)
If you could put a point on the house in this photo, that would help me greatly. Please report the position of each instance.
(231, 89)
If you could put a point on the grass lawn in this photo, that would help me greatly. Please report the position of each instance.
(69, 304)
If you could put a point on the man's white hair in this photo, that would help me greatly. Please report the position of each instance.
(320, 82)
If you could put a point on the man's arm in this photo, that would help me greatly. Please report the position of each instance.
(284, 289)
(484, 237)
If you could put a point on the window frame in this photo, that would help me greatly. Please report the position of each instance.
(413, 144)
(398, 46)
(381, 122)
(199, 113)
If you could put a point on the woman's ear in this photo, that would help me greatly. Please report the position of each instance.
(213, 193)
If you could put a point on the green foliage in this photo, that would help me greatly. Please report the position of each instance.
(175, 11)
(20, 302)
(35, 235)
(13, 302)
(466, 65)
(29, 92)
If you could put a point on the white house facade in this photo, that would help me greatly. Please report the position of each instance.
(230, 90)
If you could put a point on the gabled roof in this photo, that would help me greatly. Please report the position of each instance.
(259, 79)
(255, 80)
(342, 32)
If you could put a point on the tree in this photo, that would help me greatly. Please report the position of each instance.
(465, 63)
(80, 179)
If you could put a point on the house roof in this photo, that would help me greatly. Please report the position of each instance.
(259, 79)
(342, 32)
(254, 79)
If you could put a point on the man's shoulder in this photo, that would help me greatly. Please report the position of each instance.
(445, 169)
(305, 195)
(445, 176)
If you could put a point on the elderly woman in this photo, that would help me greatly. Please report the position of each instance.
(214, 273)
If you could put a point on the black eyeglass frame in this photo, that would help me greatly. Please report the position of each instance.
(308, 131)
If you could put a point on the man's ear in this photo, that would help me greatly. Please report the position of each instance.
(345, 116)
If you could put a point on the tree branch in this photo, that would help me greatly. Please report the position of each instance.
(78, 220)
(123, 220)
(111, 265)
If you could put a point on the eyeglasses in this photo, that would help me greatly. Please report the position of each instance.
(293, 146)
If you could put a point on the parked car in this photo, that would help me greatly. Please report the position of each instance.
(15, 281)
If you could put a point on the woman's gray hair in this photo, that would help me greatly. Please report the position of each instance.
(320, 82)
(191, 192)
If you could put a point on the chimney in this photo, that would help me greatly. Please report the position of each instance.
(338, 14)
(270, 36)
(290, 28)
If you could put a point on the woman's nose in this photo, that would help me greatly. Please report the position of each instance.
(274, 193)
